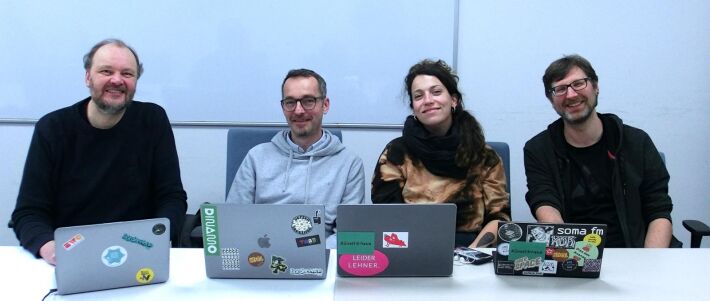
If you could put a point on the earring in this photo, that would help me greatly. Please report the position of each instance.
(453, 110)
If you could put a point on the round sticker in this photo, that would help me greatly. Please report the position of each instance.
(145, 275)
(594, 239)
(510, 232)
(503, 248)
(301, 224)
(569, 265)
(158, 229)
(114, 256)
(256, 259)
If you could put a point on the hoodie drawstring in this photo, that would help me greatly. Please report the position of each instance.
(308, 178)
(288, 170)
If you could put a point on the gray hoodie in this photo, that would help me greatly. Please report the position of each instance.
(279, 172)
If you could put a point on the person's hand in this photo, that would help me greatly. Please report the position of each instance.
(47, 252)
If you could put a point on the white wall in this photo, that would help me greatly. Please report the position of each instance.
(652, 61)
(651, 57)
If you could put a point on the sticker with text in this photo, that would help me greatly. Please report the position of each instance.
(71, 243)
(364, 265)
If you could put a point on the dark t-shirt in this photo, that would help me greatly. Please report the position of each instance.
(591, 198)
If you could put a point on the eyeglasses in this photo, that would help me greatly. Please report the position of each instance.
(576, 85)
(307, 102)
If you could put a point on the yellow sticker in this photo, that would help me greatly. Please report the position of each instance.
(594, 239)
(145, 275)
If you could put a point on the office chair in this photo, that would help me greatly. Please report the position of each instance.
(696, 228)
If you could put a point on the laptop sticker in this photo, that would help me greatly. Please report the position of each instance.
(503, 248)
(563, 241)
(136, 240)
(539, 233)
(306, 271)
(592, 265)
(364, 264)
(278, 264)
(356, 242)
(230, 259)
(584, 250)
(593, 238)
(308, 241)
(569, 265)
(317, 218)
(159, 229)
(71, 243)
(510, 232)
(301, 224)
(526, 255)
(114, 256)
(210, 234)
(145, 275)
(256, 259)
(560, 255)
(395, 240)
(548, 267)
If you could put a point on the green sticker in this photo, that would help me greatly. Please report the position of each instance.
(210, 235)
(356, 242)
(519, 249)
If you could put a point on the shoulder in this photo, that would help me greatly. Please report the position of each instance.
(59, 121)
(395, 151)
(539, 141)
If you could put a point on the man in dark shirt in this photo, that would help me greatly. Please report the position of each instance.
(104, 159)
(591, 168)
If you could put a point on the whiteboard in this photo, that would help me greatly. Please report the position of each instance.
(225, 60)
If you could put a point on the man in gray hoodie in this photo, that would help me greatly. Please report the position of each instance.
(304, 164)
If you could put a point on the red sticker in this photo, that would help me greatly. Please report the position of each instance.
(364, 264)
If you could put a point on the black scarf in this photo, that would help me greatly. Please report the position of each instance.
(438, 154)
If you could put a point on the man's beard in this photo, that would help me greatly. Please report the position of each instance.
(108, 109)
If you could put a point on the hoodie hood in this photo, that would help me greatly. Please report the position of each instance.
(327, 145)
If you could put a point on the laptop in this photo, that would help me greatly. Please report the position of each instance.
(550, 250)
(112, 255)
(264, 241)
(396, 240)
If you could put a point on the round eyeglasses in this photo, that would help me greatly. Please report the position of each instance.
(576, 85)
(307, 102)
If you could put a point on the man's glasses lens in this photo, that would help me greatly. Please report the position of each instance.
(308, 103)
(576, 85)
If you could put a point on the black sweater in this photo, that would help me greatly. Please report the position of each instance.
(639, 177)
(76, 174)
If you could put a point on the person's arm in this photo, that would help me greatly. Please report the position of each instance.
(548, 214)
(168, 194)
(243, 189)
(497, 205)
(656, 203)
(659, 234)
(32, 217)
(388, 180)
(47, 252)
(487, 237)
(542, 196)
(355, 186)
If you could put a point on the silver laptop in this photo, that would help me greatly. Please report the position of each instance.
(264, 241)
(396, 239)
(112, 255)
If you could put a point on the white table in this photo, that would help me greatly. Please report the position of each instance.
(27, 278)
(627, 274)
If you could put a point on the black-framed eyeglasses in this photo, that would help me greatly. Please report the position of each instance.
(307, 102)
(576, 85)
